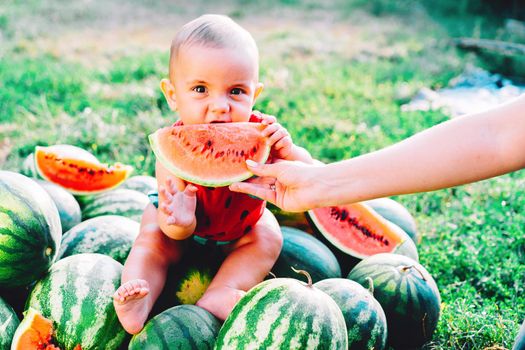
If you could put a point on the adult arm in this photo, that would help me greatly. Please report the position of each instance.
(459, 151)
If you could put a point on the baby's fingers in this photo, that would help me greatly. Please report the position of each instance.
(270, 129)
(267, 119)
(165, 193)
(283, 143)
(190, 190)
(278, 135)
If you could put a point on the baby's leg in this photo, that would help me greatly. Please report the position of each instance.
(144, 272)
(249, 261)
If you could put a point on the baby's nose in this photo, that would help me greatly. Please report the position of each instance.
(220, 107)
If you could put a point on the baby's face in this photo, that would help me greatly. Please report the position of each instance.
(215, 84)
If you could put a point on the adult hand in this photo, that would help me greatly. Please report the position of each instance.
(290, 185)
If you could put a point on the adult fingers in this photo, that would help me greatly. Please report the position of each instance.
(263, 191)
(270, 170)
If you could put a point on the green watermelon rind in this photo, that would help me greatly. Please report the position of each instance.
(8, 324)
(409, 302)
(68, 207)
(111, 235)
(284, 313)
(187, 176)
(303, 251)
(77, 296)
(31, 230)
(406, 247)
(182, 327)
(123, 202)
(364, 316)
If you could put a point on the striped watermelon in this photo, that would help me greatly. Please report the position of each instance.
(8, 323)
(110, 235)
(364, 317)
(141, 183)
(305, 252)
(408, 294)
(284, 313)
(128, 203)
(181, 327)
(30, 230)
(76, 295)
(67, 205)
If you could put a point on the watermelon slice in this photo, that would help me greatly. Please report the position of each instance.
(357, 230)
(210, 155)
(77, 170)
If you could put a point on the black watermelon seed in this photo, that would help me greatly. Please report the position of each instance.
(247, 229)
(244, 214)
(228, 202)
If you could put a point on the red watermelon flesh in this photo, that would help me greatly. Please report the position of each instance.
(211, 155)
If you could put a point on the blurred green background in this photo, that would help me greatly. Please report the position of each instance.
(336, 74)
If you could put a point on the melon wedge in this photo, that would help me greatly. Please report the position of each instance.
(34, 332)
(212, 155)
(357, 230)
(79, 172)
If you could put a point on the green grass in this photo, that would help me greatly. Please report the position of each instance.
(335, 104)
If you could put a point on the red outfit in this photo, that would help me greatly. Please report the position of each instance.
(223, 215)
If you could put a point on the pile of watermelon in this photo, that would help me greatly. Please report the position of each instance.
(353, 281)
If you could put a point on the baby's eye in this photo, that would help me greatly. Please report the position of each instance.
(237, 91)
(200, 89)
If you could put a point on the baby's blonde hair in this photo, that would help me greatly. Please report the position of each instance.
(216, 31)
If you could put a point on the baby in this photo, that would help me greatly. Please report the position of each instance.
(213, 78)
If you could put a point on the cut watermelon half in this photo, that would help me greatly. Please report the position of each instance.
(34, 332)
(357, 230)
(212, 155)
(77, 170)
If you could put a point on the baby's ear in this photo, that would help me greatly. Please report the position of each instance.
(258, 89)
(169, 93)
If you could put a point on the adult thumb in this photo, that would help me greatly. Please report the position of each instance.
(260, 169)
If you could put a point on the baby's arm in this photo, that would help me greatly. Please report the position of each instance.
(281, 141)
(177, 203)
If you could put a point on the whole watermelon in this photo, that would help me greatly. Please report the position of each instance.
(30, 230)
(364, 317)
(67, 205)
(8, 323)
(408, 294)
(77, 295)
(303, 251)
(181, 327)
(128, 203)
(110, 235)
(284, 313)
(140, 183)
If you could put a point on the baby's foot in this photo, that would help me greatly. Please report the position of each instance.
(132, 304)
(220, 300)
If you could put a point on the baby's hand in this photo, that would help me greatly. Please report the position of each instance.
(179, 205)
(278, 136)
